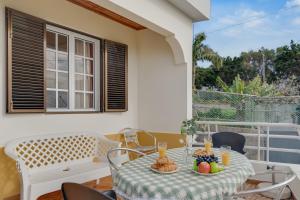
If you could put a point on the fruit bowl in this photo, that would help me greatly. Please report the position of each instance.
(207, 174)
(206, 163)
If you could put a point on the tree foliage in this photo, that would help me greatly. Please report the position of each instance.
(202, 52)
(289, 86)
(270, 66)
(253, 87)
(287, 61)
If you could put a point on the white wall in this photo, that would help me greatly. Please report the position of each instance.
(162, 85)
(67, 14)
(167, 20)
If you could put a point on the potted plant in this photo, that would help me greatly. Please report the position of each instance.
(188, 129)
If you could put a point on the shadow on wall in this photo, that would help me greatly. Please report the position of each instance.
(171, 138)
(9, 178)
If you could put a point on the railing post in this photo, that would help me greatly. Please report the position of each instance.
(258, 143)
(268, 143)
(217, 128)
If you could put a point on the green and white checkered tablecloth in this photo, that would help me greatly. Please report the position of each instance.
(135, 180)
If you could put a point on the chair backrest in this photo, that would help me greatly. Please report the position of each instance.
(116, 157)
(53, 149)
(235, 140)
(74, 191)
(130, 136)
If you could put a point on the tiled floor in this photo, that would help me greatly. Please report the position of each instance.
(251, 185)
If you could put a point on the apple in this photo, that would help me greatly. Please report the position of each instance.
(214, 167)
(204, 167)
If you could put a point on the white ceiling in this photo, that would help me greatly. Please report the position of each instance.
(197, 10)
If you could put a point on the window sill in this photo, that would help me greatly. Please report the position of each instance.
(73, 112)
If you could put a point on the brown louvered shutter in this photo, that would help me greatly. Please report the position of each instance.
(116, 77)
(25, 60)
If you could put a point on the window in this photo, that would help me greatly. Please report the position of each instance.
(57, 65)
(58, 70)
(71, 71)
(84, 74)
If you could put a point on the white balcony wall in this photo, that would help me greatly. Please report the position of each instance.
(162, 85)
(70, 15)
(164, 18)
(160, 68)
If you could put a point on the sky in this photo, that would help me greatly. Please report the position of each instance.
(269, 23)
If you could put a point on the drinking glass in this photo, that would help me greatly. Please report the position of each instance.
(207, 144)
(225, 155)
(162, 149)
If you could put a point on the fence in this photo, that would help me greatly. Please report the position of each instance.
(263, 142)
(221, 106)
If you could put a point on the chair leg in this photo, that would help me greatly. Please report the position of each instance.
(279, 194)
(33, 195)
(25, 193)
(228, 197)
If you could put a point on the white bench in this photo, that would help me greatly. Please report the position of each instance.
(45, 162)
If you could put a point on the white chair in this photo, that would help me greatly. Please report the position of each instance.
(116, 158)
(273, 190)
(132, 141)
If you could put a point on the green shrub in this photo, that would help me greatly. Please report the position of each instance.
(217, 113)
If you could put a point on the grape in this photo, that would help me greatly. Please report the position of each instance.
(199, 160)
(216, 159)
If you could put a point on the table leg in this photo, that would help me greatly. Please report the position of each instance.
(226, 197)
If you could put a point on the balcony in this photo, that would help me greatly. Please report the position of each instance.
(110, 65)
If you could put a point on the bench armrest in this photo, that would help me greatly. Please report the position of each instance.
(105, 144)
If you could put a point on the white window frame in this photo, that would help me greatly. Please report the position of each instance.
(96, 82)
(56, 70)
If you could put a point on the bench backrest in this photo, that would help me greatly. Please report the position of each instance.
(54, 149)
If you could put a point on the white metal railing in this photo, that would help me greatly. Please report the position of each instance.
(262, 131)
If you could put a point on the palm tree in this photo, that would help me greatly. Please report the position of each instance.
(202, 52)
(253, 87)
